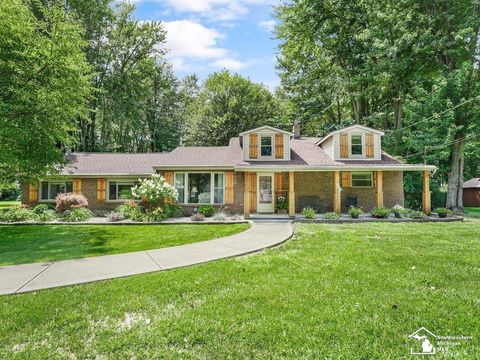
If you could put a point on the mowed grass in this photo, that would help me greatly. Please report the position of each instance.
(37, 243)
(4, 203)
(473, 211)
(351, 291)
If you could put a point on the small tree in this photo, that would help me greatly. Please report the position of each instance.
(154, 190)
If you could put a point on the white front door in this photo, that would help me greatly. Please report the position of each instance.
(265, 193)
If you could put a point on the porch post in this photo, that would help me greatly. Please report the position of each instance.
(337, 201)
(426, 195)
(246, 195)
(379, 193)
(291, 193)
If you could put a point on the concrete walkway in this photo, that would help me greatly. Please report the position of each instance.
(29, 277)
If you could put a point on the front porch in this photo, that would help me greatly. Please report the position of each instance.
(326, 191)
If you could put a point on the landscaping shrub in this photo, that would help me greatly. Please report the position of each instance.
(206, 210)
(47, 215)
(220, 216)
(154, 190)
(77, 214)
(331, 216)
(173, 210)
(131, 210)
(309, 213)
(442, 212)
(355, 212)
(400, 211)
(380, 213)
(70, 201)
(154, 215)
(114, 216)
(419, 215)
(41, 208)
(197, 217)
(17, 214)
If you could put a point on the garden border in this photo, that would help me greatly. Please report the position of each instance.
(128, 223)
(367, 220)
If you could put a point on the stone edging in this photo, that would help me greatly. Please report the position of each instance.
(367, 220)
(127, 223)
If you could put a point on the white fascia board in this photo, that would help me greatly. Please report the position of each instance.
(303, 168)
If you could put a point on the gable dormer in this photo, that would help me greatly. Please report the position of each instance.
(355, 142)
(266, 143)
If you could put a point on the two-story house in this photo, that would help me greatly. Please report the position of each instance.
(345, 168)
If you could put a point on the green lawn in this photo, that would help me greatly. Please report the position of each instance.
(4, 203)
(35, 243)
(351, 291)
(473, 211)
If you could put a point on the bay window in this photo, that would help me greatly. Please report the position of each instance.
(50, 189)
(200, 188)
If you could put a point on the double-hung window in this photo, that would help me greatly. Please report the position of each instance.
(356, 145)
(200, 188)
(120, 190)
(266, 146)
(362, 179)
(50, 189)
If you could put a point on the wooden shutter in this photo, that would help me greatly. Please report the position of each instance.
(77, 186)
(169, 177)
(253, 148)
(278, 146)
(101, 186)
(229, 187)
(344, 145)
(346, 179)
(369, 145)
(33, 192)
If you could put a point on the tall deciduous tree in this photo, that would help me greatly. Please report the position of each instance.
(44, 87)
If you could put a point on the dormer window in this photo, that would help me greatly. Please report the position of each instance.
(266, 146)
(356, 145)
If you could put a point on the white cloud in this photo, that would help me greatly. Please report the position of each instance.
(229, 64)
(190, 39)
(268, 25)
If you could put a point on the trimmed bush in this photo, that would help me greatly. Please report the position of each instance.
(206, 210)
(355, 212)
(331, 216)
(17, 214)
(173, 210)
(47, 215)
(154, 215)
(418, 215)
(381, 213)
(130, 210)
(41, 208)
(114, 216)
(70, 201)
(197, 217)
(77, 214)
(309, 213)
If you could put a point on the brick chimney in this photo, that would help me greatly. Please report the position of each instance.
(296, 129)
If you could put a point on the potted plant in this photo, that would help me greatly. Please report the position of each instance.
(380, 213)
(399, 211)
(282, 205)
(442, 212)
(355, 212)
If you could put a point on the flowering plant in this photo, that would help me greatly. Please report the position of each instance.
(282, 202)
(155, 189)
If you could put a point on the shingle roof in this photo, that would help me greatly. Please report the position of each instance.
(472, 183)
(112, 163)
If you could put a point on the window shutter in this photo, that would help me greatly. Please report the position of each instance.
(101, 186)
(278, 146)
(169, 177)
(33, 192)
(344, 145)
(77, 186)
(346, 179)
(369, 145)
(253, 149)
(252, 178)
(229, 187)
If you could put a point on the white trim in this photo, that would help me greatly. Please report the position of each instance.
(212, 187)
(262, 208)
(272, 148)
(361, 173)
(348, 128)
(107, 198)
(266, 127)
(306, 168)
(362, 137)
(40, 192)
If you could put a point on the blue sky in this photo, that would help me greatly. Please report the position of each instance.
(204, 36)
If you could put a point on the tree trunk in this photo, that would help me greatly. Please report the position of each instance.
(455, 179)
(397, 111)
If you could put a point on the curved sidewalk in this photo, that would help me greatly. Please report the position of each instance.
(29, 277)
